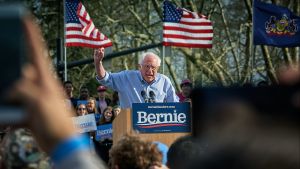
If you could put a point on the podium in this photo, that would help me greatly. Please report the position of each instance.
(123, 124)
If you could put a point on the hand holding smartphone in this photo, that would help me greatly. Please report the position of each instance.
(36, 89)
(13, 57)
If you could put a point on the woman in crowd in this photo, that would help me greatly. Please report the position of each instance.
(91, 106)
(102, 147)
(81, 110)
(107, 117)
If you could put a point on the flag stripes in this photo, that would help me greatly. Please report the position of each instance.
(186, 29)
(80, 29)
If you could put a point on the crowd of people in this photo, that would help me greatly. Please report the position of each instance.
(86, 104)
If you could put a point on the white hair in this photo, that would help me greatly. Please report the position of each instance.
(144, 55)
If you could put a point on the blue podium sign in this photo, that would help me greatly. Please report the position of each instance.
(161, 117)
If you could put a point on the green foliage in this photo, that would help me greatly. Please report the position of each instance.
(135, 23)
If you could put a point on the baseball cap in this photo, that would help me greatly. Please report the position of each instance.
(185, 81)
(101, 88)
(20, 150)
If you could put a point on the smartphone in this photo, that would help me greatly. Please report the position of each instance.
(271, 105)
(13, 57)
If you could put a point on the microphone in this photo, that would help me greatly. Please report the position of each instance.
(143, 93)
(152, 97)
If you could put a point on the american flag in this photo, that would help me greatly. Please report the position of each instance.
(80, 29)
(184, 28)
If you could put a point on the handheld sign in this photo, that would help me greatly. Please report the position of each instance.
(161, 117)
(79, 102)
(85, 102)
(85, 123)
(98, 116)
(104, 132)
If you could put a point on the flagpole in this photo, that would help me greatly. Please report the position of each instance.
(65, 49)
(252, 60)
(252, 46)
(65, 64)
(163, 60)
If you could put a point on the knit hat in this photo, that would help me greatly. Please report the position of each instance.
(20, 150)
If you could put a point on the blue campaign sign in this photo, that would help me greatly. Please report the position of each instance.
(161, 117)
(104, 132)
(85, 102)
(81, 102)
(97, 117)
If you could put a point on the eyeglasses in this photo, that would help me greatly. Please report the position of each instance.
(81, 109)
(149, 66)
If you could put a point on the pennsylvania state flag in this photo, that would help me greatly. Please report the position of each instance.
(275, 26)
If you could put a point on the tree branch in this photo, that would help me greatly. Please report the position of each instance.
(269, 66)
(173, 74)
(230, 40)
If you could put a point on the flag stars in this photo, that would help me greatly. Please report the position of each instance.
(171, 13)
(71, 11)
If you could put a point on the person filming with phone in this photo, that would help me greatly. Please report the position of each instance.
(46, 117)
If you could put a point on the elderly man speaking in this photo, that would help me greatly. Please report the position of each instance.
(137, 86)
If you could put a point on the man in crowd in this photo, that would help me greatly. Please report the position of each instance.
(84, 93)
(68, 85)
(145, 85)
(103, 101)
(186, 89)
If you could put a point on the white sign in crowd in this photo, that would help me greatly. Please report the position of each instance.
(85, 123)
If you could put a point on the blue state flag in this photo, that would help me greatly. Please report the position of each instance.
(275, 25)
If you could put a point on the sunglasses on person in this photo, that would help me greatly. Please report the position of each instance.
(81, 109)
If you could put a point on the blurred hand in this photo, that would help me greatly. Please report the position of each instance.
(40, 94)
(289, 75)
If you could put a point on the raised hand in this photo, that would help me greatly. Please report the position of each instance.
(98, 55)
